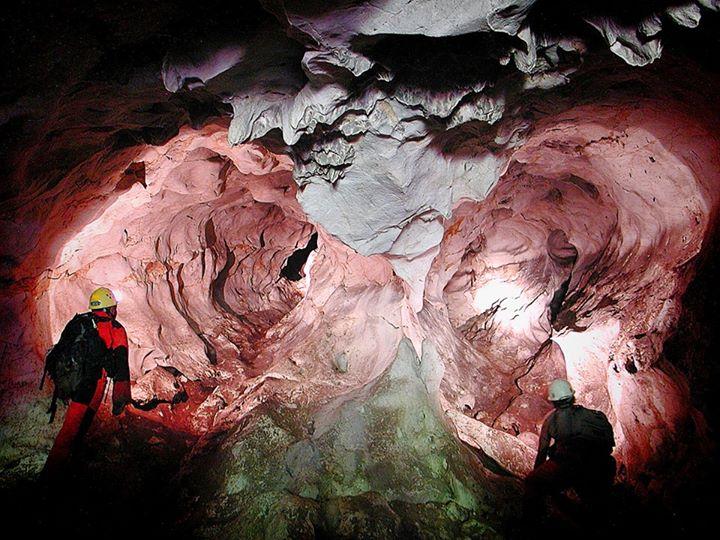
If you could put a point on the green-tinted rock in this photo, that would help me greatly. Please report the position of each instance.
(379, 464)
(367, 516)
(25, 438)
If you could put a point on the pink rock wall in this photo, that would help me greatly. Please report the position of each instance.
(614, 200)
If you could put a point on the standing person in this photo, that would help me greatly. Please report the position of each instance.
(93, 346)
(579, 457)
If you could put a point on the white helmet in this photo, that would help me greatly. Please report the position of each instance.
(560, 389)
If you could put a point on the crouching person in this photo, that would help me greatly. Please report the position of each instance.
(93, 346)
(578, 458)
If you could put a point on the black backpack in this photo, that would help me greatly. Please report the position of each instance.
(77, 357)
(585, 430)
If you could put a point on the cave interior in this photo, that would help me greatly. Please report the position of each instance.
(352, 244)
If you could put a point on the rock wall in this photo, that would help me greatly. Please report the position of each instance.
(353, 245)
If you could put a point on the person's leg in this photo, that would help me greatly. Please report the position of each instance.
(93, 407)
(550, 477)
(594, 488)
(64, 441)
(76, 423)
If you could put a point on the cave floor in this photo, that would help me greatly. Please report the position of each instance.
(124, 483)
(104, 499)
(121, 484)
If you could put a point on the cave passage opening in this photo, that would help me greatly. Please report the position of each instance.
(192, 237)
(295, 267)
(575, 267)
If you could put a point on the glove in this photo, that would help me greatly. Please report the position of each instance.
(141, 406)
(118, 408)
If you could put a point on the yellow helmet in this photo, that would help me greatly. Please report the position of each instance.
(102, 298)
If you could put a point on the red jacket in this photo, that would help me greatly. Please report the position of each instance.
(115, 338)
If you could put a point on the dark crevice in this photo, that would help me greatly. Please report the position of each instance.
(175, 372)
(558, 299)
(217, 289)
(180, 397)
(292, 270)
(487, 461)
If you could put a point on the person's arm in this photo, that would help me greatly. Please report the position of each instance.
(544, 444)
(121, 370)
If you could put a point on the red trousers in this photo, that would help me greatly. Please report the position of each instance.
(76, 424)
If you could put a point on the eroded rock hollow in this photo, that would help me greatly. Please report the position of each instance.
(352, 245)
